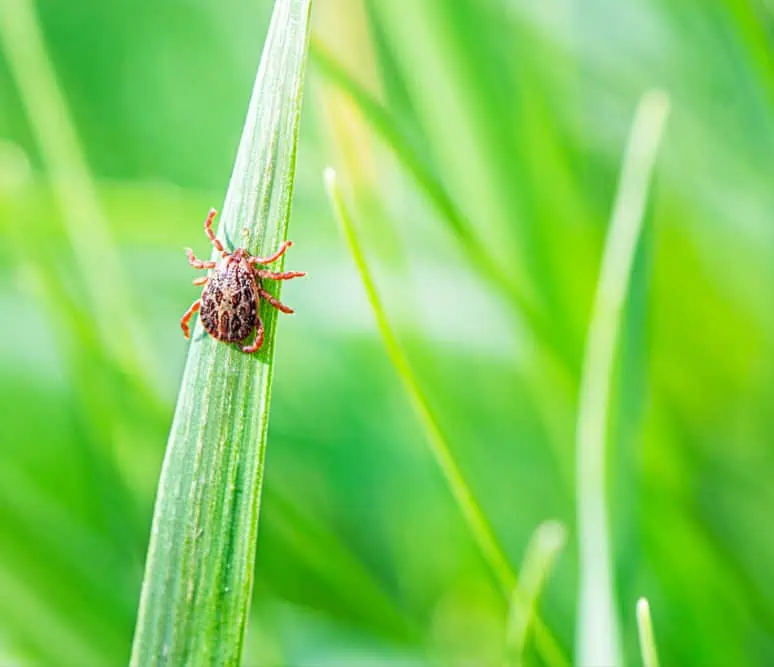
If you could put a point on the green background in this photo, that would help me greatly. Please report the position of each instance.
(519, 114)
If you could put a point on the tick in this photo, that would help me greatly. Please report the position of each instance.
(231, 298)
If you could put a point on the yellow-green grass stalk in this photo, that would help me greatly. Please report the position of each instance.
(483, 536)
(101, 275)
(543, 549)
(598, 629)
(645, 631)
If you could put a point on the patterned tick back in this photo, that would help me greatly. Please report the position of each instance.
(229, 301)
(232, 293)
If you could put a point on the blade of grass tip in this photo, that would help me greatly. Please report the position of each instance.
(199, 570)
(645, 630)
(543, 549)
(598, 639)
(85, 224)
(474, 517)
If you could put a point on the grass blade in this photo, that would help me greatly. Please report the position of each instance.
(418, 167)
(544, 547)
(385, 125)
(102, 278)
(199, 571)
(598, 634)
(645, 628)
(474, 517)
(451, 471)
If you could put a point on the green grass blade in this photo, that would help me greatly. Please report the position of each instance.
(645, 629)
(409, 155)
(385, 125)
(598, 633)
(449, 467)
(544, 547)
(474, 517)
(199, 571)
(104, 281)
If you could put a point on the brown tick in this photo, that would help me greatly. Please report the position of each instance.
(230, 300)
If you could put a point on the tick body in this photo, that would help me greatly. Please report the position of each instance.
(230, 301)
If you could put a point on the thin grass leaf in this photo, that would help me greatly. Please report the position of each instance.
(384, 124)
(199, 572)
(460, 489)
(645, 630)
(102, 277)
(50, 544)
(598, 633)
(543, 549)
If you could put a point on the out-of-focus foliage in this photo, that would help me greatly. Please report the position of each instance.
(196, 596)
(515, 114)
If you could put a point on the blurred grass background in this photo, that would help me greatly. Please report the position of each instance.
(480, 142)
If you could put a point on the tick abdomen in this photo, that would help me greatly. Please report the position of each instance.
(228, 306)
(229, 302)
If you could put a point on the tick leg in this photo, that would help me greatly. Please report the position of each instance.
(187, 317)
(256, 344)
(201, 281)
(198, 263)
(210, 234)
(274, 302)
(274, 257)
(271, 275)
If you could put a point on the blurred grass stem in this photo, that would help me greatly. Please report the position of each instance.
(384, 124)
(598, 634)
(543, 549)
(645, 629)
(92, 244)
(478, 525)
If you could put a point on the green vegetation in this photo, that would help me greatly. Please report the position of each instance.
(199, 571)
(480, 149)
(598, 626)
(647, 642)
